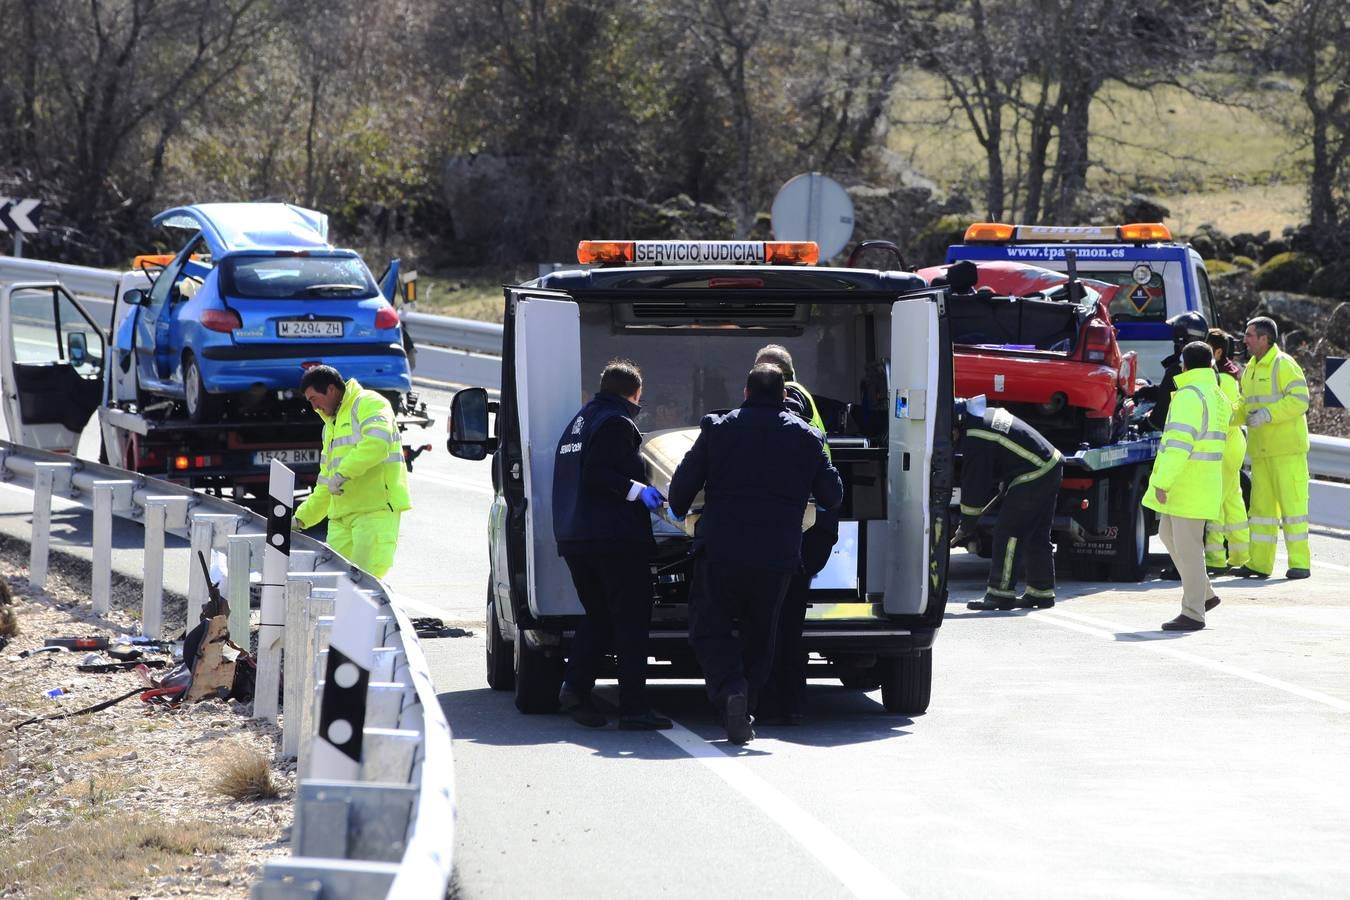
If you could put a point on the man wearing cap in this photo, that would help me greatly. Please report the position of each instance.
(999, 449)
(1275, 405)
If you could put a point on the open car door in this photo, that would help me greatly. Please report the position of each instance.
(547, 351)
(52, 373)
(919, 456)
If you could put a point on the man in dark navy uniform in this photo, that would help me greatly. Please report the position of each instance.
(602, 522)
(758, 466)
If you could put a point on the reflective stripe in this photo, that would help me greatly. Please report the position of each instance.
(1264, 520)
(1181, 426)
(1186, 448)
(344, 441)
(1032, 476)
(1295, 385)
(995, 592)
(1204, 407)
(1042, 465)
(1263, 398)
(1214, 436)
(1213, 548)
(1258, 538)
(1295, 538)
(379, 432)
(971, 510)
(1207, 457)
(1040, 593)
(369, 420)
(1009, 556)
(1294, 520)
(396, 457)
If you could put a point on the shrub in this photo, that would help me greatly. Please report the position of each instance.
(1286, 272)
(1332, 280)
(247, 776)
(1245, 262)
(1216, 267)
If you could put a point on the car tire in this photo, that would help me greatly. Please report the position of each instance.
(907, 683)
(538, 677)
(1131, 520)
(501, 673)
(202, 405)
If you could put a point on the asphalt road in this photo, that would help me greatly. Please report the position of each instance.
(1067, 752)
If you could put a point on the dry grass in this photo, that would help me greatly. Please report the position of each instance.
(108, 857)
(248, 776)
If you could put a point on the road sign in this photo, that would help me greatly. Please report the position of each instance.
(1336, 385)
(19, 216)
(812, 207)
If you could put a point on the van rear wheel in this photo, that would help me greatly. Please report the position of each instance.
(501, 673)
(907, 683)
(538, 677)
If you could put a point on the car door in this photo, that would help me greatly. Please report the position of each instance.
(154, 353)
(919, 456)
(52, 374)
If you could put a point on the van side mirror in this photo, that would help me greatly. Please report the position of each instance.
(469, 438)
(134, 297)
(77, 348)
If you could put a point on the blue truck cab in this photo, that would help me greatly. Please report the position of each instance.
(1161, 277)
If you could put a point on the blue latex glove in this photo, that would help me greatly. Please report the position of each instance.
(651, 498)
(675, 517)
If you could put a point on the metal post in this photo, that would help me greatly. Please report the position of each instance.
(161, 513)
(241, 550)
(281, 507)
(302, 561)
(109, 497)
(296, 681)
(205, 530)
(342, 711)
(48, 478)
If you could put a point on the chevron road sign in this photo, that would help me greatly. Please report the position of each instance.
(19, 216)
(1336, 383)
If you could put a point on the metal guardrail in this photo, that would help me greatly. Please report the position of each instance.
(389, 829)
(1329, 456)
(456, 334)
(82, 281)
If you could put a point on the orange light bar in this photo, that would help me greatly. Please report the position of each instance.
(181, 462)
(598, 253)
(989, 231)
(791, 253)
(1145, 231)
(158, 260)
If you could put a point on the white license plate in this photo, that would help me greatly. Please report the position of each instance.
(264, 457)
(304, 328)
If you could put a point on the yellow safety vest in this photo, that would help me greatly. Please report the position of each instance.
(1275, 382)
(1189, 467)
(362, 458)
(816, 420)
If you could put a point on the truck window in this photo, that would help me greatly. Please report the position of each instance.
(1206, 297)
(1135, 303)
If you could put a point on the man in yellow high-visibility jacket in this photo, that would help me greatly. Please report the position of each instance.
(1186, 486)
(1275, 405)
(1228, 538)
(363, 485)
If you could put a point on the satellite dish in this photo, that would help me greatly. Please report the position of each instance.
(814, 207)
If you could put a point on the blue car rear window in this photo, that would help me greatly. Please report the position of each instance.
(297, 277)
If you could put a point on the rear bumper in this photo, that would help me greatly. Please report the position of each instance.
(379, 372)
(1013, 379)
(310, 350)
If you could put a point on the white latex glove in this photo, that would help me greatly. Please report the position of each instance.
(1258, 418)
(335, 484)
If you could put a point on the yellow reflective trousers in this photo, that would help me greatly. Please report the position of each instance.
(1279, 500)
(1231, 526)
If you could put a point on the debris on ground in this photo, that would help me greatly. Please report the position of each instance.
(432, 627)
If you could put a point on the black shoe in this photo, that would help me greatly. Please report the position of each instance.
(1211, 603)
(580, 708)
(644, 721)
(1028, 602)
(1216, 571)
(1248, 572)
(1169, 573)
(1183, 623)
(1295, 574)
(991, 602)
(740, 728)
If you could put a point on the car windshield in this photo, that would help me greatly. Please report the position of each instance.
(297, 277)
(1135, 302)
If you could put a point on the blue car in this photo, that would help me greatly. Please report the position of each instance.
(255, 296)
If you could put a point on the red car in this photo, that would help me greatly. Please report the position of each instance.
(1021, 341)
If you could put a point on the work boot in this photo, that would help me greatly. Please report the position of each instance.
(1211, 603)
(580, 708)
(993, 601)
(1249, 572)
(1295, 574)
(1183, 622)
(740, 726)
(644, 721)
(1216, 571)
(1029, 601)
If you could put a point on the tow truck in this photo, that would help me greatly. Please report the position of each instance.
(872, 345)
(60, 368)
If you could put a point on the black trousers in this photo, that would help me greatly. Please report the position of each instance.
(733, 614)
(1022, 538)
(616, 592)
(785, 691)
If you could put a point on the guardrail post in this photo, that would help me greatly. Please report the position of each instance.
(109, 497)
(205, 532)
(240, 552)
(297, 678)
(316, 661)
(48, 478)
(302, 561)
(342, 711)
(280, 509)
(162, 512)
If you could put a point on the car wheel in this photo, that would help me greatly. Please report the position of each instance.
(538, 677)
(202, 405)
(907, 683)
(1130, 519)
(501, 673)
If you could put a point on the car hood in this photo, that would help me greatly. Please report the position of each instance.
(235, 227)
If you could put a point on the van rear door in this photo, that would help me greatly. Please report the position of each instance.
(547, 358)
(919, 457)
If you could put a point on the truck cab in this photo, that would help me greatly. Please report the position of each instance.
(1159, 277)
(873, 347)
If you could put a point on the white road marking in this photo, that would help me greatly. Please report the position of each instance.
(1101, 628)
(859, 876)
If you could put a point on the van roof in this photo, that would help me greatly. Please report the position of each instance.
(766, 279)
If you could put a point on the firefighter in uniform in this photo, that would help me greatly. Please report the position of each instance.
(1231, 526)
(1186, 485)
(602, 522)
(997, 448)
(363, 485)
(785, 693)
(1275, 407)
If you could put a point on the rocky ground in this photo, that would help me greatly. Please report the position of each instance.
(125, 802)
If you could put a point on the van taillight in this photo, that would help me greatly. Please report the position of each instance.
(225, 320)
(1096, 342)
